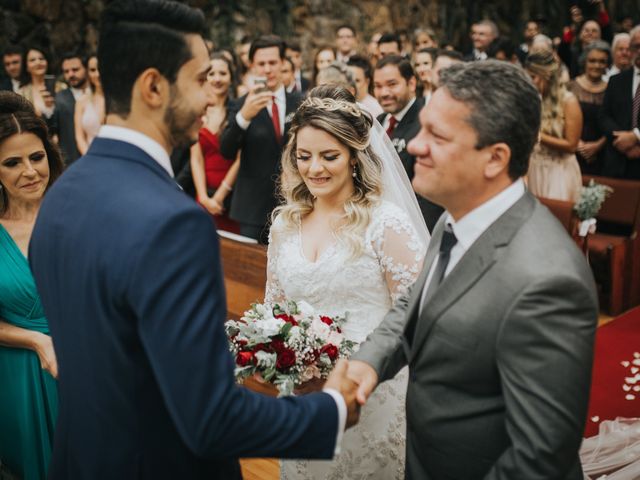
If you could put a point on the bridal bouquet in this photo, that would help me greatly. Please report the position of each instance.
(287, 345)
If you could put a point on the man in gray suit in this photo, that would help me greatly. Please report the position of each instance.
(498, 329)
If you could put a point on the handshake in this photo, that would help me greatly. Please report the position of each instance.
(354, 380)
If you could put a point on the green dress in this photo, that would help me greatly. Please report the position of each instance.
(28, 394)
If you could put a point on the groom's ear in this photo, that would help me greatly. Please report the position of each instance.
(499, 158)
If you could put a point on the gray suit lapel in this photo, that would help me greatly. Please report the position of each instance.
(471, 267)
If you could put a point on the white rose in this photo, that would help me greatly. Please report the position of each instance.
(320, 329)
(270, 326)
(335, 338)
(295, 334)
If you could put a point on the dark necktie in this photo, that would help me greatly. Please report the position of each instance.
(636, 108)
(446, 244)
(392, 125)
(275, 118)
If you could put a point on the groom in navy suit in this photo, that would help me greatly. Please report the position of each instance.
(128, 270)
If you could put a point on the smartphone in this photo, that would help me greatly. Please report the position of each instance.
(261, 84)
(50, 84)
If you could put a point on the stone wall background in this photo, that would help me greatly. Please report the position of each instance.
(62, 25)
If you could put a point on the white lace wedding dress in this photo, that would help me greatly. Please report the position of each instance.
(365, 287)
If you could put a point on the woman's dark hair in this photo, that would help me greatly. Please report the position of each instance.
(139, 34)
(18, 116)
(224, 54)
(25, 76)
(85, 63)
(363, 63)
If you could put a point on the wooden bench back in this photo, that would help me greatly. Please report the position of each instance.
(245, 274)
(623, 205)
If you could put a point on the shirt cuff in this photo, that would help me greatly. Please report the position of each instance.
(242, 122)
(342, 416)
(636, 132)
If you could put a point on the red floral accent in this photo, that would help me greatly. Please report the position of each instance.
(288, 319)
(245, 358)
(327, 320)
(278, 345)
(331, 351)
(286, 359)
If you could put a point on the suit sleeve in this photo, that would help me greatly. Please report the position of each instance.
(177, 293)
(544, 356)
(607, 117)
(232, 136)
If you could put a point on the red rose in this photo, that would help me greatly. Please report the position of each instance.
(331, 351)
(288, 319)
(286, 359)
(241, 343)
(262, 346)
(244, 358)
(326, 320)
(277, 345)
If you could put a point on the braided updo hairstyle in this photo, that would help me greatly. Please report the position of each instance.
(18, 116)
(334, 110)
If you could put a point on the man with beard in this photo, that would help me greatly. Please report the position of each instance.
(394, 86)
(129, 275)
(75, 74)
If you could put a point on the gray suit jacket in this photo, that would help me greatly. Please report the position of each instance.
(500, 366)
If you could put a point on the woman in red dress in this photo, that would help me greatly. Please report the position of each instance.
(214, 175)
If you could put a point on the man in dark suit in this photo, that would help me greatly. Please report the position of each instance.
(75, 74)
(482, 34)
(395, 89)
(294, 52)
(498, 329)
(128, 271)
(12, 62)
(620, 118)
(258, 126)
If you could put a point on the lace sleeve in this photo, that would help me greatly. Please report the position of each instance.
(273, 290)
(400, 252)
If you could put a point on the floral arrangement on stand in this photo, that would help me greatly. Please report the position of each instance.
(592, 197)
(286, 345)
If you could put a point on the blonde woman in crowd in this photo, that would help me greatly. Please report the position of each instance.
(554, 171)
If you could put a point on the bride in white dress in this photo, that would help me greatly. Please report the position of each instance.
(349, 238)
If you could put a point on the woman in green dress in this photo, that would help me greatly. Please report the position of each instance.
(29, 163)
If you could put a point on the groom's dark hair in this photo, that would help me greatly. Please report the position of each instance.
(504, 104)
(139, 34)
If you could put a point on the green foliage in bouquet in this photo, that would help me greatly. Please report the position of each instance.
(591, 199)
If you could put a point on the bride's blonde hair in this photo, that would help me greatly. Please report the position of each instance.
(334, 110)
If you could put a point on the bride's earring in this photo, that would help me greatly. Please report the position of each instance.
(354, 173)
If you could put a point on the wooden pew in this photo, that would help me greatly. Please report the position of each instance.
(614, 250)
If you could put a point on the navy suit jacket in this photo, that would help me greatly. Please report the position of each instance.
(128, 270)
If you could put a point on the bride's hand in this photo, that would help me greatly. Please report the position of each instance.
(365, 376)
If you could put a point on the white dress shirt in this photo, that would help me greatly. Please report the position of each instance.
(15, 84)
(400, 115)
(280, 97)
(145, 143)
(78, 93)
(469, 228)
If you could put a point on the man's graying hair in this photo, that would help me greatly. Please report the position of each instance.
(505, 106)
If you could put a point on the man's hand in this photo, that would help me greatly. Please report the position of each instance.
(256, 100)
(588, 150)
(365, 376)
(633, 152)
(624, 141)
(338, 380)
